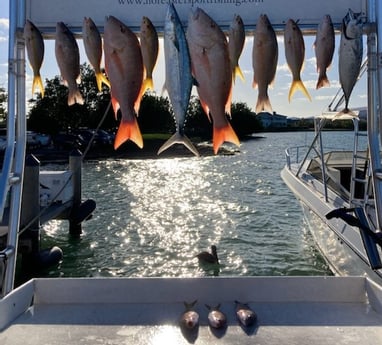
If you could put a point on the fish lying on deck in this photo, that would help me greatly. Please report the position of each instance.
(245, 314)
(216, 318)
(190, 318)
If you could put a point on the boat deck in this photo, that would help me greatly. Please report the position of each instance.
(290, 310)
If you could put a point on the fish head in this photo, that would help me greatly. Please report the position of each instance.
(237, 22)
(263, 23)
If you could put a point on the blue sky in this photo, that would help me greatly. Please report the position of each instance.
(242, 92)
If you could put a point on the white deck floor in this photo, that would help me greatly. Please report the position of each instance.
(309, 310)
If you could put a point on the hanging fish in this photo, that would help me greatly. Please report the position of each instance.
(68, 60)
(324, 49)
(93, 48)
(149, 48)
(190, 318)
(295, 54)
(178, 77)
(264, 61)
(350, 57)
(211, 69)
(236, 39)
(216, 318)
(245, 315)
(124, 68)
(35, 51)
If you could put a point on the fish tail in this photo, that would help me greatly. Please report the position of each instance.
(238, 72)
(75, 97)
(298, 85)
(177, 138)
(222, 134)
(263, 104)
(322, 81)
(37, 82)
(128, 130)
(345, 111)
(101, 78)
(148, 84)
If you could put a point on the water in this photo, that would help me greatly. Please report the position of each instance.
(154, 215)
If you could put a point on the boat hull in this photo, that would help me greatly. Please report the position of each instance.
(340, 244)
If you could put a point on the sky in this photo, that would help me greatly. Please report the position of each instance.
(299, 106)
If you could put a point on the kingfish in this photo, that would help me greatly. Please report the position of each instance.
(35, 51)
(211, 69)
(124, 68)
(236, 39)
(295, 54)
(324, 49)
(93, 48)
(245, 315)
(190, 318)
(149, 48)
(216, 318)
(68, 60)
(350, 58)
(178, 76)
(264, 61)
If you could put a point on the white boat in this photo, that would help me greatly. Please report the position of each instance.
(290, 310)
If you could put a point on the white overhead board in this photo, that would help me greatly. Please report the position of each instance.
(46, 13)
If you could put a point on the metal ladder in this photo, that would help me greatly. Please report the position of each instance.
(360, 159)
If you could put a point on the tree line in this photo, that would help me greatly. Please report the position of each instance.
(51, 114)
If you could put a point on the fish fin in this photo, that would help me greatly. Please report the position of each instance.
(263, 104)
(37, 82)
(227, 108)
(322, 81)
(220, 135)
(128, 130)
(298, 85)
(238, 72)
(177, 138)
(101, 78)
(148, 84)
(115, 105)
(206, 109)
(137, 102)
(75, 97)
(254, 84)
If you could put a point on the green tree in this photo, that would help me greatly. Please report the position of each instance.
(3, 104)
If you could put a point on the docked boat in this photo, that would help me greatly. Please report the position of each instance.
(290, 310)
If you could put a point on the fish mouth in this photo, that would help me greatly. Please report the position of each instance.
(195, 13)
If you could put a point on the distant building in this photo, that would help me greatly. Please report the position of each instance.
(272, 120)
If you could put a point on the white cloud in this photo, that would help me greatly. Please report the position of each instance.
(4, 23)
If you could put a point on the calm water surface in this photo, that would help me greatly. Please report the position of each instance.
(154, 215)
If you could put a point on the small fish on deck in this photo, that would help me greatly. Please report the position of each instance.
(245, 314)
(216, 318)
(190, 318)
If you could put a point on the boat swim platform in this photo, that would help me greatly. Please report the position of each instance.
(290, 310)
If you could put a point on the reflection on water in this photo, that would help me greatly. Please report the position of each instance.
(153, 216)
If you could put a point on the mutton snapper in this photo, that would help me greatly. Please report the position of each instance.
(178, 77)
(150, 49)
(35, 51)
(93, 48)
(236, 39)
(350, 57)
(190, 318)
(68, 60)
(211, 69)
(264, 61)
(124, 68)
(295, 54)
(324, 49)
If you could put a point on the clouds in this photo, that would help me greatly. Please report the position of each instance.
(4, 28)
